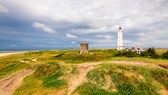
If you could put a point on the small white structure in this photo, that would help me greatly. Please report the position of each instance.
(120, 39)
(135, 49)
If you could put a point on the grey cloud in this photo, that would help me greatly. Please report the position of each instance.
(3, 9)
(141, 20)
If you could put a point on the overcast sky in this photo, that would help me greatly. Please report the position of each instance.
(59, 24)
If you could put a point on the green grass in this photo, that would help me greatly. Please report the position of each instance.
(45, 79)
(53, 81)
(74, 70)
(11, 64)
(8, 69)
(30, 85)
(47, 69)
(161, 51)
(161, 76)
(128, 80)
(74, 57)
(54, 68)
(140, 59)
(88, 88)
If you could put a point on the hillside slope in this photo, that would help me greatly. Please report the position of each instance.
(67, 73)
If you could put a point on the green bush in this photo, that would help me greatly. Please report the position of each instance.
(127, 54)
(119, 54)
(144, 54)
(155, 56)
(165, 55)
(151, 51)
(130, 54)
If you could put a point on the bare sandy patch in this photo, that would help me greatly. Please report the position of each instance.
(10, 84)
(77, 80)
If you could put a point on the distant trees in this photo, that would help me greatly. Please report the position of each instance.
(127, 54)
(150, 52)
(165, 55)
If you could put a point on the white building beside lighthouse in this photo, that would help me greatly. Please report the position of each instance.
(120, 39)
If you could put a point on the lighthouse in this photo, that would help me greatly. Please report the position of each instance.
(120, 39)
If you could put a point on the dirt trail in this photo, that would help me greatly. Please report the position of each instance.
(84, 68)
(81, 77)
(10, 84)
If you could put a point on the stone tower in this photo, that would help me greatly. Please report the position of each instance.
(84, 47)
(120, 39)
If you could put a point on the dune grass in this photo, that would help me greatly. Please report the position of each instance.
(161, 51)
(127, 80)
(11, 64)
(53, 68)
(46, 77)
(140, 59)
(74, 57)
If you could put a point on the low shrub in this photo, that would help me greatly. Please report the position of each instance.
(145, 54)
(165, 55)
(127, 54)
(150, 52)
(155, 56)
(130, 54)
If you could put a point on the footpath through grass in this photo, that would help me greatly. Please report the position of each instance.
(124, 80)
(53, 69)
(45, 80)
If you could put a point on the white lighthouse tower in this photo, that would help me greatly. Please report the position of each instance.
(120, 39)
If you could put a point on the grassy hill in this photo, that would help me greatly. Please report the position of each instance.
(101, 72)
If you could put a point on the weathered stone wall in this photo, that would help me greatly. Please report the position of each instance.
(84, 48)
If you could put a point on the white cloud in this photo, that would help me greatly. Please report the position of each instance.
(43, 27)
(3, 9)
(73, 42)
(105, 36)
(101, 16)
(104, 29)
(70, 36)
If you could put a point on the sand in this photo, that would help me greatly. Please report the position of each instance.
(10, 84)
(5, 54)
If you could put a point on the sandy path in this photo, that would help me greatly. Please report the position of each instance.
(84, 68)
(81, 77)
(10, 84)
(5, 54)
